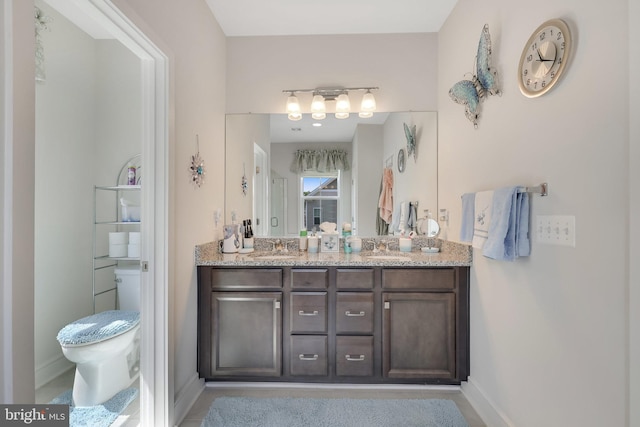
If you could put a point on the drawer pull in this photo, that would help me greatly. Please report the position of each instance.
(348, 313)
(308, 357)
(351, 358)
(304, 313)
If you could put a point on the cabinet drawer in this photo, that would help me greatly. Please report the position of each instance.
(354, 356)
(419, 278)
(354, 313)
(354, 278)
(308, 312)
(243, 278)
(307, 278)
(308, 355)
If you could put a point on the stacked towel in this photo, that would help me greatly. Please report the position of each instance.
(385, 203)
(497, 222)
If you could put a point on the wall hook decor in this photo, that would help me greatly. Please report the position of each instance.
(471, 92)
(197, 166)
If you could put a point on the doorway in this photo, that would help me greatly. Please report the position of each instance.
(148, 136)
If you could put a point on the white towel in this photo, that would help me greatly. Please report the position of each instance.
(482, 221)
(402, 225)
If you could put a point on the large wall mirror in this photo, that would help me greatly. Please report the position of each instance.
(281, 199)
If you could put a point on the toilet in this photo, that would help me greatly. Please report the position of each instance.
(106, 346)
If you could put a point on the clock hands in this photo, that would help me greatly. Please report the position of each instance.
(541, 58)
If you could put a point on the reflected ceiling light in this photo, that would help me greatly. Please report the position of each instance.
(322, 95)
(368, 105)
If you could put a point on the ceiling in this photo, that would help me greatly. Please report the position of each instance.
(313, 17)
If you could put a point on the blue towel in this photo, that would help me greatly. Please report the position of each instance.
(466, 229)
(509, 230)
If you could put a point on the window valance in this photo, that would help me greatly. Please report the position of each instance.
(320, 160)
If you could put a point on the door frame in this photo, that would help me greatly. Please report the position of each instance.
(156, 398)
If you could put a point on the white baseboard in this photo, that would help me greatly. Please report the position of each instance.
(186, 397)
(486, 409)
(52, 369)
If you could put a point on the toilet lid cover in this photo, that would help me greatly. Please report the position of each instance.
(98, 327)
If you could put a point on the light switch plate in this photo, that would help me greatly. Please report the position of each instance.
(556, 230)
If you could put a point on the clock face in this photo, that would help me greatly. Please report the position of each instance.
(544, 58)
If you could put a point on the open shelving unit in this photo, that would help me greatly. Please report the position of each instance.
(106, 222)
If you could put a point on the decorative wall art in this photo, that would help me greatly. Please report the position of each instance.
(410, 133)
(41, 23)
(197, 166)
(471, 92)
(245, 184)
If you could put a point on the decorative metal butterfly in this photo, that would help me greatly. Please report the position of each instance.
(410, 133)
(471, 92)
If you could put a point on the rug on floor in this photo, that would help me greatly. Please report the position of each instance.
(278, 412)
(99, 415)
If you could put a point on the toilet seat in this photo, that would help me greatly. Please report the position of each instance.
(98, 327)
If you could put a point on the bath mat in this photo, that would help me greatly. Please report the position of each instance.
(99, 415)
(278, 412)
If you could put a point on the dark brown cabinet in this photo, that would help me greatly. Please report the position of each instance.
(334, 324)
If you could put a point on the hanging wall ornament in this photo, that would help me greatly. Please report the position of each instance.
(41, 23)
(245, 185)
(197, 166)
(483, 83)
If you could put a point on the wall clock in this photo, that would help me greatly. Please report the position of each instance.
(544, 58)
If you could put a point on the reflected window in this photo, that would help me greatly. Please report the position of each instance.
(320, 199)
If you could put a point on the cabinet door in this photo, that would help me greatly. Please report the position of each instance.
(418, 335)
(247, 333)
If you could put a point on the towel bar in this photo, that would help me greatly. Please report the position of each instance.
(542, 189)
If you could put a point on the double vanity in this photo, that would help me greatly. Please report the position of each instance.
(377, 316)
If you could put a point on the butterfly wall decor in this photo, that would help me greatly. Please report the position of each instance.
(410, 133)
(485, 82)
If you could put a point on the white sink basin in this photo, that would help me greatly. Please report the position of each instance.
(389, 257)
(274, 257)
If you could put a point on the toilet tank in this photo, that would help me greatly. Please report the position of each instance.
(128, 283)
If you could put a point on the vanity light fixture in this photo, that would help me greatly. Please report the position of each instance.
(339, 95)
(293, 107)
(368, 105)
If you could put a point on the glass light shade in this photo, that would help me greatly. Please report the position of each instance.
(368, 103)
(342, 115)
(295, 116)
(293, 105)
(365, 114)
(343, 105)
(318, 105)
(318, 116)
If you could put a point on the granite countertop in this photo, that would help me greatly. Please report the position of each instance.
(451, 255)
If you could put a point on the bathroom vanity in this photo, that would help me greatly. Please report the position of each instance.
(334, 318)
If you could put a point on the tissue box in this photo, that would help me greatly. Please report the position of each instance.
(330, 243)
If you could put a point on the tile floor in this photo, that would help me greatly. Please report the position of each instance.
(130, 417)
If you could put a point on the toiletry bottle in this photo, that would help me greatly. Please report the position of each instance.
(131, 175)
(303, 240)
(346, 234)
